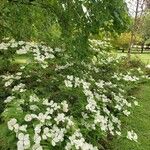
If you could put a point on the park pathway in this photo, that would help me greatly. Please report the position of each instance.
(139, 121)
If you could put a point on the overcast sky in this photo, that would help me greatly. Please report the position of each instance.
(132, 6)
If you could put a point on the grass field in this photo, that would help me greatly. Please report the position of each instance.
(139, 121)
(145, 57)
(22, 59)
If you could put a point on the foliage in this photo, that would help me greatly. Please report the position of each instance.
(74, 20)
(123, 40)
(145, 27)
(55, 103)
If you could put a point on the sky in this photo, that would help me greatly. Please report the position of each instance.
(132, 6)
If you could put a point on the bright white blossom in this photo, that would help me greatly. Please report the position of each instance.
(131, 135)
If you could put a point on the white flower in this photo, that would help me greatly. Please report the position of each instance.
(131, 135)
(21, 42)
(46, 133)
(11, 123)
(91, 105)
(68, 83)
(65, 106)
(37, 128)
(136, 103)
(77, 141)
(33, 98)
(70, 77)
(9, 82)
(22, 67)
(37, 147)
(37, 138)
(21, 51)
(57, 49)
(20, 145)
(49, 111)
(9, 99)
(24, 141)
(70, 122)
(50, 56)
(42, 117)
(23, 128)
(14, 45)
(100, 84)
(34, 107)
(60, 118)
(101, 120)
(19, 87)
(148, 66)
(16, 128)
(57, 135)
(34, 116)
(126, 112)
(28, 118)
(118, 133)
(44, 65)
(118, 107)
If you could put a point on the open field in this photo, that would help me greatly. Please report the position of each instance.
(145, 57)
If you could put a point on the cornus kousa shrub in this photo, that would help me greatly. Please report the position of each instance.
(53, 102)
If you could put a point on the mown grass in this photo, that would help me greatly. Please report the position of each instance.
(145, 57)
(139, 121)
(21, 59)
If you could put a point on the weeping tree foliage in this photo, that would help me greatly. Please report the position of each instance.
(71, 22)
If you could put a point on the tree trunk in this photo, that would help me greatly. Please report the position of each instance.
(142, 47)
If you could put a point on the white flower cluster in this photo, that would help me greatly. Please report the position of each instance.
(126, 77)
(131, 135)
(77, 140)
(13, 125)
(98, 45)
(48, 122)
(9, 79)
(106, 122)
(68, 82)
(23, 140)
(4, 46)
(40, 52)
(9, 99)
(62, 67)
(20, 87)
(46, 125)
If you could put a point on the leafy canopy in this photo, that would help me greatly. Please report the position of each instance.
(73, 21)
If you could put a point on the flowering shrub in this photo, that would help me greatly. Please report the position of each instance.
(101, 44)
(55, 103)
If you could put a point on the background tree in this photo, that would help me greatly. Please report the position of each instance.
(145, 29)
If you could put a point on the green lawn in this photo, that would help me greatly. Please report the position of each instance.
(145, 57)
(22, 59)
(139, 121)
